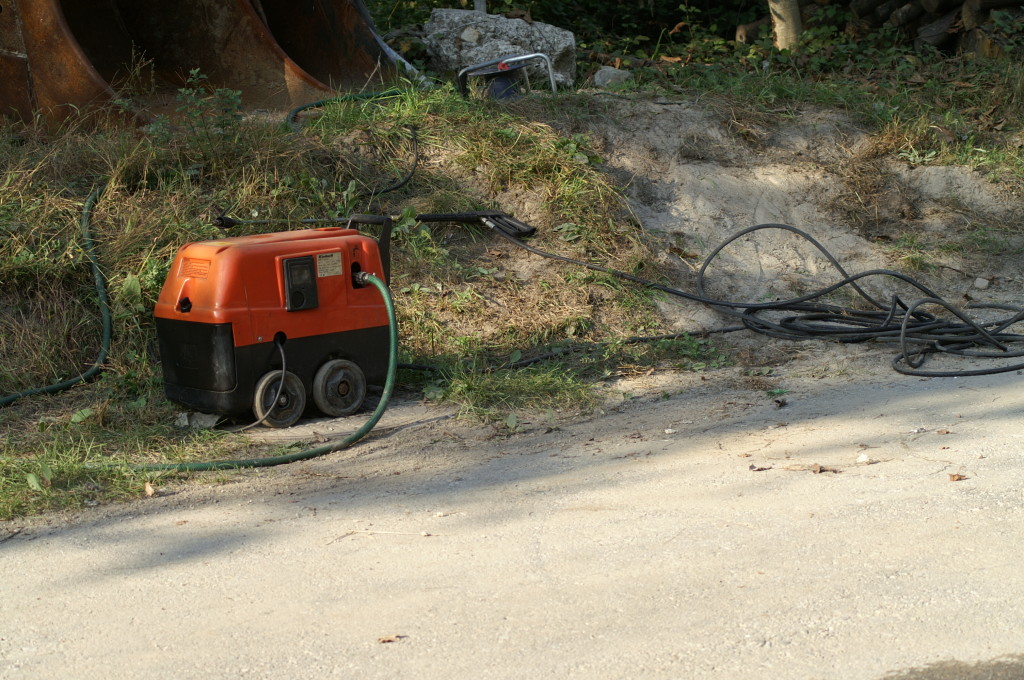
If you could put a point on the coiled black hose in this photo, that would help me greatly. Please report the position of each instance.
(919, 333)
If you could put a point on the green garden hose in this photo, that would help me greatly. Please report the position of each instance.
(271, 461)
(292, 118)
(104, 304)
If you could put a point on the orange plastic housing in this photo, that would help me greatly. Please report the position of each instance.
(225, 302)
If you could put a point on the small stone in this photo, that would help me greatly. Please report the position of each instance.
(609, 75)
(981, 283)
(203, 421)
(863, 458)
(471, 35)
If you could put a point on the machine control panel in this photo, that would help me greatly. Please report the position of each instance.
(300, 283)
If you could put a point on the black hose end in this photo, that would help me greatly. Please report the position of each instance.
(224, 222)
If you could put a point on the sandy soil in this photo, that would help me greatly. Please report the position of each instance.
(854, 523)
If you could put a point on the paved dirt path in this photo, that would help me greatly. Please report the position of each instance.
(637, 544)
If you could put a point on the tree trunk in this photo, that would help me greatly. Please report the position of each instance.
(480, 5)
(786, 20)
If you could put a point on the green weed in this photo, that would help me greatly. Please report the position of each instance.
(74, 461)
(490, 394)
(913, 253)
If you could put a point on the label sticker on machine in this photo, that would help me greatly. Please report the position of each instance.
(194, 268)
(328, 264)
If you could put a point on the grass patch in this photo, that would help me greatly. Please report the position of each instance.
(463, 297)
(493, 393)
(912, 252)
(55, 459)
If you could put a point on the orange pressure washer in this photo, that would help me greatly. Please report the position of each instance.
(262, 323)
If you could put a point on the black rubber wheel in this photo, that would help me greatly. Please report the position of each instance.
(339, 388)
(290, 403)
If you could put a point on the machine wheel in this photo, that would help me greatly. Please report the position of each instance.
(339, 388)
(290, 404)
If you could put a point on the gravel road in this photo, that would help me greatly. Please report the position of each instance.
(870, 528)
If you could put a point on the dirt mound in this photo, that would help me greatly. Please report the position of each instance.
(697, 174)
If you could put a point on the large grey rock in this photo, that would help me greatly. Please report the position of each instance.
(457, 38)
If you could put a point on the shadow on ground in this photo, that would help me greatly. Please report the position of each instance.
(1003, 668)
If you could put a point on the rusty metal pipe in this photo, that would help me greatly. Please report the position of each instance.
(333, 40)
(57, 56)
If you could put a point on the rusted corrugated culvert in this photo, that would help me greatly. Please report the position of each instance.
(57, 56)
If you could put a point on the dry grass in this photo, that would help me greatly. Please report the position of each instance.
(466, 301)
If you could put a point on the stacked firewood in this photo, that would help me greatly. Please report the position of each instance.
(941, 23)
(945, 24)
